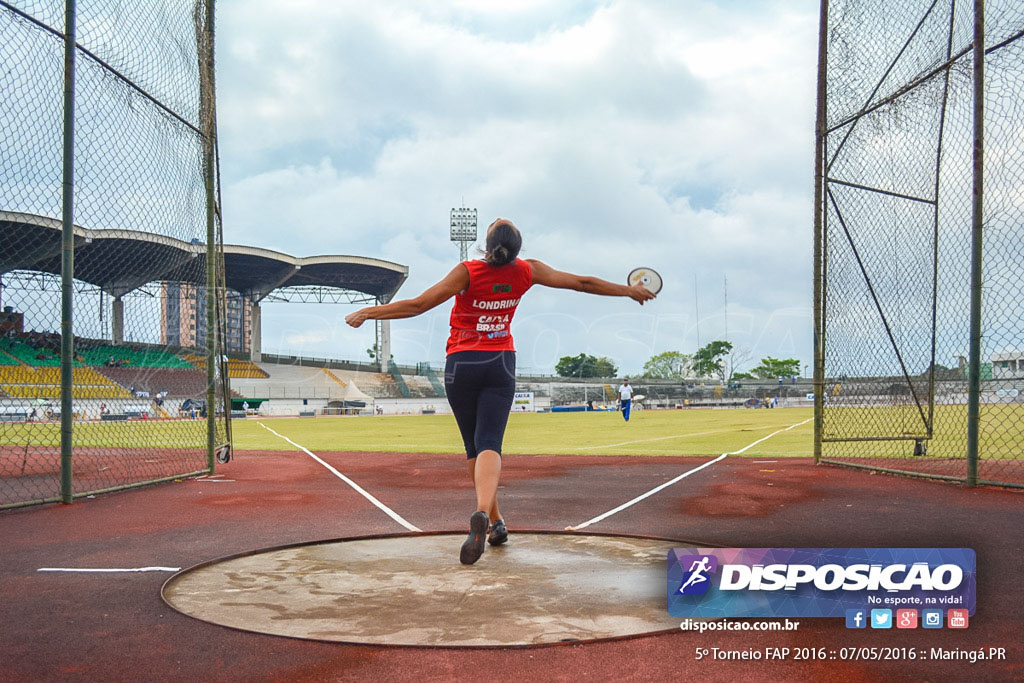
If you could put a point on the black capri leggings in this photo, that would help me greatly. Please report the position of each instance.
(480, 386)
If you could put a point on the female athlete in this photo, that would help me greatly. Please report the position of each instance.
(480, 372)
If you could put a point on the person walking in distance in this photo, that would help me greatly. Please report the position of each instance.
(625, 398)
(480, 370)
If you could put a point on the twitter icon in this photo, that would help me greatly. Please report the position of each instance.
(881, 618)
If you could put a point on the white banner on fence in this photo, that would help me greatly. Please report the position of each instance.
(523, 402)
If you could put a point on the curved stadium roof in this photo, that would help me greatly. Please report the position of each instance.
(119, 261)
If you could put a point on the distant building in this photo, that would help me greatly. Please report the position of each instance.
(11, 321)
(183, 318)
(1008, 365)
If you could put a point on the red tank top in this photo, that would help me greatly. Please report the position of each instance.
(482, 315)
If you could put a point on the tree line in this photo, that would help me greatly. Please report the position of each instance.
(717, 359)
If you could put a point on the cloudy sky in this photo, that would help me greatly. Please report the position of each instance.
(674, 134)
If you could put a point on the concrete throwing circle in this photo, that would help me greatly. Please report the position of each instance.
(411, 590)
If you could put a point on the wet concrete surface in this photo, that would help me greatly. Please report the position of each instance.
(412, 590)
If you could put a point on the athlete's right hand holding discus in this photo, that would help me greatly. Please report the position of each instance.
(479, 374)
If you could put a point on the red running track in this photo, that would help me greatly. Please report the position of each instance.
(116, 627)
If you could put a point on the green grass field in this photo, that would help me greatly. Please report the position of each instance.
(151, 433)
(678, 432)
(668, 432)
(1001, 431)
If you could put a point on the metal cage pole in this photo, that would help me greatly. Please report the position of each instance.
(977, 218)
(206, 76)
(67, 269)
(819, 207)
(936, 197)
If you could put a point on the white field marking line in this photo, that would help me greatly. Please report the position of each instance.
(663, 438)
(388, 511)
(749, 446)
(657, 438)
(682, 476)
(108, 571)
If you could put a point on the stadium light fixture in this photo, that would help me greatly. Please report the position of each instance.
(463, 229)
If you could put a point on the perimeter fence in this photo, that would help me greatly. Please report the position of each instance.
(109, 245)
(919, 239)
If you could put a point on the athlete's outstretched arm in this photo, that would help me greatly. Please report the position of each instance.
(544, 274)
(453, 283)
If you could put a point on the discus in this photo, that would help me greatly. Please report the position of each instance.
(648, 277)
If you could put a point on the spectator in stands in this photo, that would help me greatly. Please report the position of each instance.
(480, 371)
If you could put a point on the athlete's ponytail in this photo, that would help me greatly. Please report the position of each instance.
(503, 243)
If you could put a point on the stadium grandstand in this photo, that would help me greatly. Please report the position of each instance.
(166, 377)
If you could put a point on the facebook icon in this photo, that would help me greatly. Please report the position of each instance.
(856, 618)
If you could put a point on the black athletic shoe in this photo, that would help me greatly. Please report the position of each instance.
(473, 548)
(499, 534)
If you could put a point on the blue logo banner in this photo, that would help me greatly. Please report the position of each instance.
(817, 582)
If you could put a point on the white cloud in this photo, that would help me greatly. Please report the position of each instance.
(673, 135)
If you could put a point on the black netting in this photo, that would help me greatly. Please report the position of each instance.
(144, 127)
(896, 248)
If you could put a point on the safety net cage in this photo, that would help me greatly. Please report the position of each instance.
(111, 299)
(919, 258)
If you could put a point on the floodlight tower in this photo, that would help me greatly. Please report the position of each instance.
(463, 225)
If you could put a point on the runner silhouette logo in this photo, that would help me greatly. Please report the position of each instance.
(697, 580)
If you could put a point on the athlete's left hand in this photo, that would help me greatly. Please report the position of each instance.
(358, 318)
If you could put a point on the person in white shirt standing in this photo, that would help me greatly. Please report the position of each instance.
(625, 398)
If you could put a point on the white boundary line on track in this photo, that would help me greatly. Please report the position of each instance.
(388, 511)
(679, 478)
(108, 571)
(657, 438)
